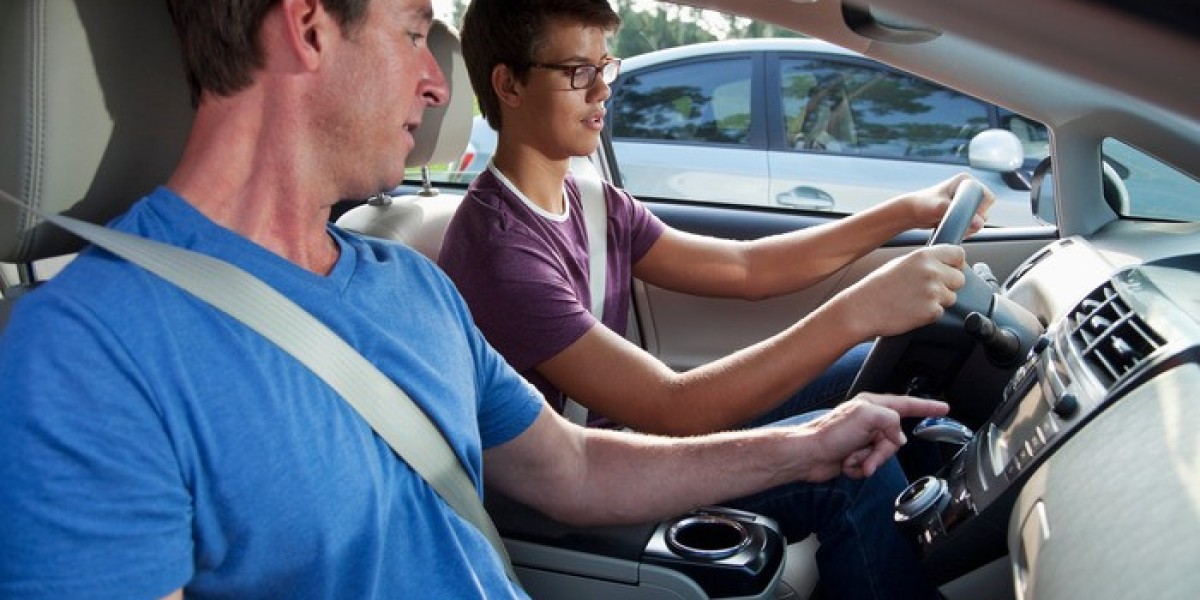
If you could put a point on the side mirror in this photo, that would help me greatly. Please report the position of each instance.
(1041, 194)
(1113, 184)
(999, 150)
(996, 150)
(1041, 197)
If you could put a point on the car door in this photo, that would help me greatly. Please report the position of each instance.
(692, 128)
(687, 331)
(847, 133)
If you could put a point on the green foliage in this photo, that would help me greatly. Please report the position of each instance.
(661, 25)
(669, 25)
(647, 31)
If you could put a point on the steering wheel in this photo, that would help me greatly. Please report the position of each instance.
(920, 362)
(957, 219)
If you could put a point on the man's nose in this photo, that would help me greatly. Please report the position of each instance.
(436, 90)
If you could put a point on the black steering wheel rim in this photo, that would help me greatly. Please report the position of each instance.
(875, 375)
(956, 222)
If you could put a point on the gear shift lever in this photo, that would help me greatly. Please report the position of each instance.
(943, 429)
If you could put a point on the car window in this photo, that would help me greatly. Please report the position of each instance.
(846, 108)
(1148, 188)
(787, 123)
(705, 102)
(1035, 138)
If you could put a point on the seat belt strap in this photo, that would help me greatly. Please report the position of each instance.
(595, 218)
(384, 405)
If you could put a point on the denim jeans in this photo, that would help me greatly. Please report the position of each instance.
(862, 553)
(826, 391)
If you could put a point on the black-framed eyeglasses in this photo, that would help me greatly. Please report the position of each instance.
(584, 76)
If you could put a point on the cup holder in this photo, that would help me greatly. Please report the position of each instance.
(707, 537)
(729, 553)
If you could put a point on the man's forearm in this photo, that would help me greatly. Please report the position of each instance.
(635, 478)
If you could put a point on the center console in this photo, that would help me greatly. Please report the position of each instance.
(712, 552)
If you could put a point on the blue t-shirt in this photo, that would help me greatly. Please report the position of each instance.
(148, 441)
(524, 272)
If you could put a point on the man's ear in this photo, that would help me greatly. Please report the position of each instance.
(508, 89)
(308, 27)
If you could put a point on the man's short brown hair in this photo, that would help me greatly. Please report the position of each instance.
(221, 39)
(509, 32)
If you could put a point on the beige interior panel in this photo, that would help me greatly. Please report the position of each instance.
(1114, 513)
(687, 331)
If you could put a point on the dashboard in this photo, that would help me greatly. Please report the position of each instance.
(1094, 426)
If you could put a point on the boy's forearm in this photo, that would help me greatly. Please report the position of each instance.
(746, 384)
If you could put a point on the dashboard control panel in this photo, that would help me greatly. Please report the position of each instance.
(1113, 340)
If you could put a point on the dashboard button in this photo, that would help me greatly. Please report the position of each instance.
(1066, 406)
(1012, 471)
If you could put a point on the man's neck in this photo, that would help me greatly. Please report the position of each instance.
(252, 185)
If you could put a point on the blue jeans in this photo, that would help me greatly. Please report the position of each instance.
(826, 391)
(862, 553)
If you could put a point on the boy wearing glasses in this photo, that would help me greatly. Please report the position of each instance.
(518, 251)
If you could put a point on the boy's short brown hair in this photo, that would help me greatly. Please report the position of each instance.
(509, 32)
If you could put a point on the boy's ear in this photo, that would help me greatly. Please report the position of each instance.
(504, 82)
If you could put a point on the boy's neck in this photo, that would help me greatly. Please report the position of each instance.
(539, 178)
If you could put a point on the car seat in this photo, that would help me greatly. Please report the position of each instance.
(419, 220)
(94, 113)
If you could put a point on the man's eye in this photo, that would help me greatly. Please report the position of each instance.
(417, 38)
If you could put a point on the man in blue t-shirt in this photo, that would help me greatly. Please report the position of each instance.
(152, 446)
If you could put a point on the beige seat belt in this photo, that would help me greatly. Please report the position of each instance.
(384, 405)
(595, 218)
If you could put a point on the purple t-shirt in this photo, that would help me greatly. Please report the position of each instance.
(524, 271)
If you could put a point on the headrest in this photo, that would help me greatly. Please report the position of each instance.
(94, 112)
(445, 129)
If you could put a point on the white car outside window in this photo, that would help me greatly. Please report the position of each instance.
(801, 124)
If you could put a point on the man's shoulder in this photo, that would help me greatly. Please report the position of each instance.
(93, 278)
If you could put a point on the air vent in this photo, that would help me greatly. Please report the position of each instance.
(1112, 339)
(1032, 261)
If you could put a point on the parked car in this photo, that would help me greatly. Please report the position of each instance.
(479, 151)
(803, 124)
